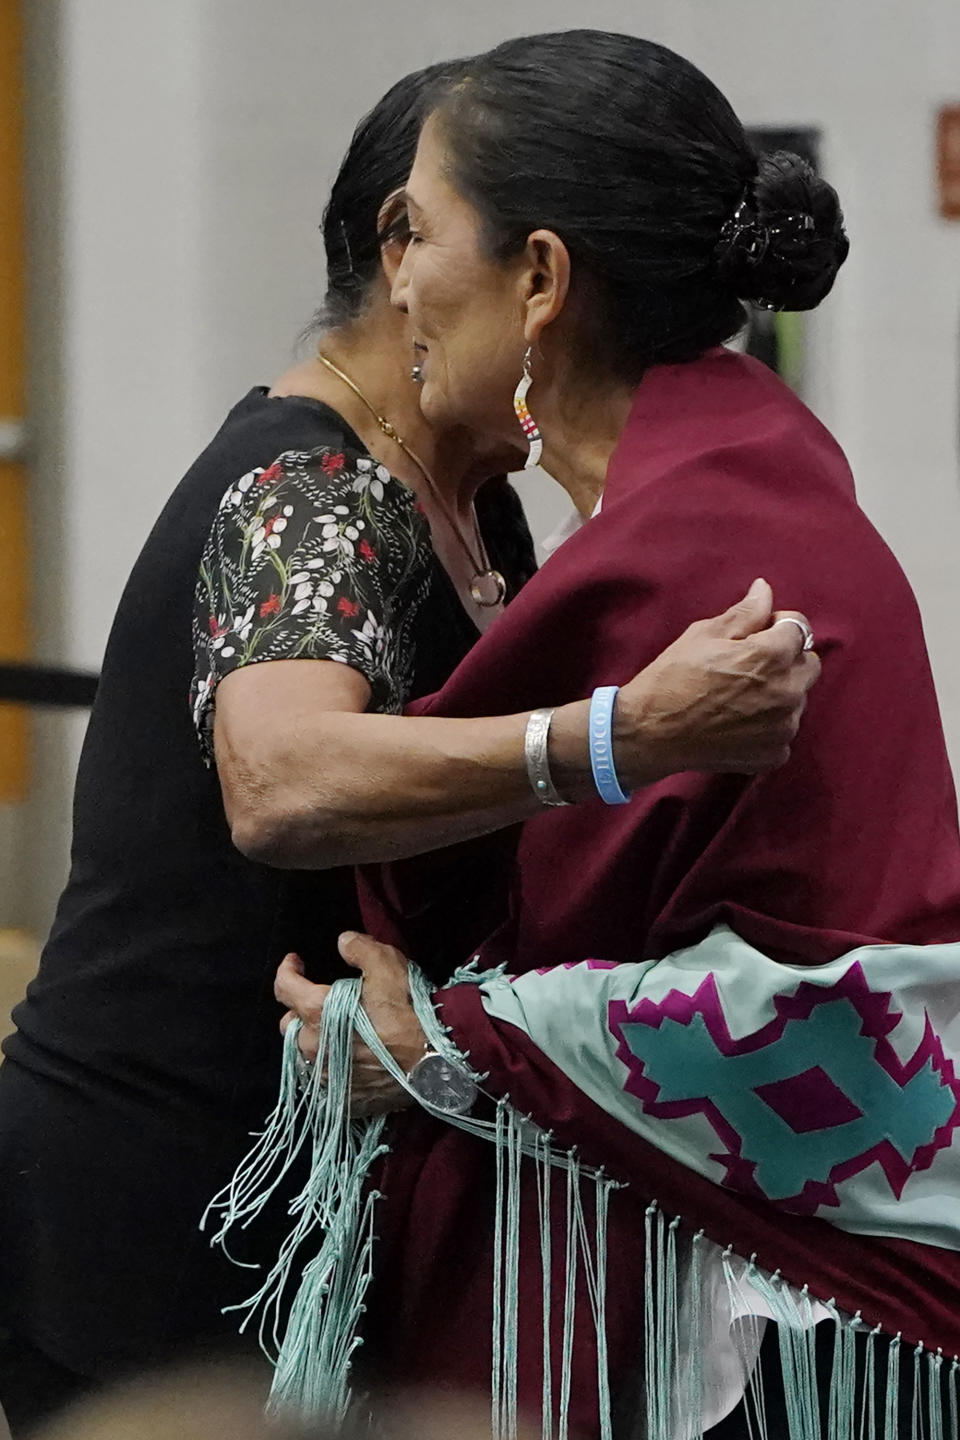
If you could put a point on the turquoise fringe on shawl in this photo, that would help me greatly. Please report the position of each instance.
(314, 1356)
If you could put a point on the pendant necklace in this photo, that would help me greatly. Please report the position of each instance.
(487, 586)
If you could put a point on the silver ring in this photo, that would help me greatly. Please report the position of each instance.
(801, 625)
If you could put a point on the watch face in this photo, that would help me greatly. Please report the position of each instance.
(444, 1085)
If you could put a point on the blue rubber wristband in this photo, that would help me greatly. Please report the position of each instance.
(601, 746)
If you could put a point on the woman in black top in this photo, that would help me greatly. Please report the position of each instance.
(147, 1048)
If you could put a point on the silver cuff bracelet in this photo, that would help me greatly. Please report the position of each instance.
(538, 764)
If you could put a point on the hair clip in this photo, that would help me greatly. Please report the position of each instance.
(800, 220)
(747, 235)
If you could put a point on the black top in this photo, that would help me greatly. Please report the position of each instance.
(147, 1048)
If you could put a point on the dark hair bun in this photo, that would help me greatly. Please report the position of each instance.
(786, 242)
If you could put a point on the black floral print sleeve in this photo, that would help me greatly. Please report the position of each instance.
(324, 556)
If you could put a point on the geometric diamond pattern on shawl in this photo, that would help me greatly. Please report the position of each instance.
(810, 1099)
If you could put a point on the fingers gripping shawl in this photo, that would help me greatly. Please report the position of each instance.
(314, 1357)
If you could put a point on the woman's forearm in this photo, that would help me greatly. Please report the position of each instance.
(343, 789)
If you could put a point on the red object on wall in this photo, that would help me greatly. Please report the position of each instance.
(948, 161)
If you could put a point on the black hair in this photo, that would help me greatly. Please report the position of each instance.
(638, 162)
(377, 162)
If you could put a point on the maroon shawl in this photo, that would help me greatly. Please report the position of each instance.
(721, 475)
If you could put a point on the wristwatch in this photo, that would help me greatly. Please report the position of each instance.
(443, 1084)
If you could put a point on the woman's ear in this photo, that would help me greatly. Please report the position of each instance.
(394, 232)
(546, 282)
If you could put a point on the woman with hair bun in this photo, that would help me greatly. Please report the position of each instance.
(734, 997)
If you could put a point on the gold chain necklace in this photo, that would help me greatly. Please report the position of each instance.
(487, 586)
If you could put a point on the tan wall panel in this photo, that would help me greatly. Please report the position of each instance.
(14, 566)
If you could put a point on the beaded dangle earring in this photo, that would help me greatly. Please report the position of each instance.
(528, 425)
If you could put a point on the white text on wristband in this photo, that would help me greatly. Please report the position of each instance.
(600, 728)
